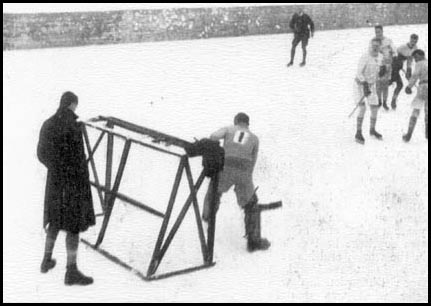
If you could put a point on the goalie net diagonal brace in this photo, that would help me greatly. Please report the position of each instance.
(108, 194)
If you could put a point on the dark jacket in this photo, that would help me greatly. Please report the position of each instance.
(301, 25)
(212, 155)
(68, 200)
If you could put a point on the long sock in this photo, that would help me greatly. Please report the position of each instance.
(385, 94)
(360, 121)
(373, 120)
(304, 55)
(373, 124)
(412, 125)
(292, 54)
(72, 242)
(51, 237)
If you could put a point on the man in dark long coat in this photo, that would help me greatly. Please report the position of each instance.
(68, 200)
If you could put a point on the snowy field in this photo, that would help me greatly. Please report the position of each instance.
(354, 226)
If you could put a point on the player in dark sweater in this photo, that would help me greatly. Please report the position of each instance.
(303, 28)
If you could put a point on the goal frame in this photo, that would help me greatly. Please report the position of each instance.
(108, 193)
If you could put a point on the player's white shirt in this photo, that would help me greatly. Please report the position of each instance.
(368, 68)
(387, 48)
(407, 51)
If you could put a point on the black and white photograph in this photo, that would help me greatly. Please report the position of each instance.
(215, 152)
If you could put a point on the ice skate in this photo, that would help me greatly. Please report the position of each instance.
(359, 138)
(376, 134)
(47, 264)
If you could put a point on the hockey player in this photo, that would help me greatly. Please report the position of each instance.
(421, 100)
(241, 149)
(303, 28)
(370, 68)
(68, 200)
(387, 49)
(404, 55)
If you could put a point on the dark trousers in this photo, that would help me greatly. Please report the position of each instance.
(299, 38)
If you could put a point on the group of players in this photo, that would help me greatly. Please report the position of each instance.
(382, 66)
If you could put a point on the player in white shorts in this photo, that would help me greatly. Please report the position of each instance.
(365, 89)
(387, 49)
(421, 100)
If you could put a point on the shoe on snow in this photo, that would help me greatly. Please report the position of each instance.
(359, 138)
(47, 264)
(75, 277)
(407, 137)
(376, 134)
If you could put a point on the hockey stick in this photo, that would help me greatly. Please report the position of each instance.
(273, 205)
(269, 206)
(356, 107)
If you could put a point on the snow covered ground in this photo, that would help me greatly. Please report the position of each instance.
(354, 226)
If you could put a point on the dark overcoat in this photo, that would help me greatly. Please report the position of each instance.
(68, 201)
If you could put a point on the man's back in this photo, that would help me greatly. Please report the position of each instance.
(239, 143)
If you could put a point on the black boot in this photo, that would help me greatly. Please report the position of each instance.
(290, 64)
(253, 229)
(75, 277)
(359, 138)
(376, 134)
(407, 137)
(47, 264)
(302, 64)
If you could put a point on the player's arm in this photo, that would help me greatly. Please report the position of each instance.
(311, 25)
(219, 134)
(255, 153)
(360, 76)
(292, 23)
(415, 76)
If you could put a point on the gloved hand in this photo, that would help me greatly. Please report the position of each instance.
(408, 90)
(367, 90)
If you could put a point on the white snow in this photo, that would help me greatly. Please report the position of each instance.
(354, 226)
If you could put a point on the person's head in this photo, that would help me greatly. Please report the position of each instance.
(300, 11)
(418, 55)
(414, 38)
(375, 46)
(379, 31)
(68, 101)
(241, 119)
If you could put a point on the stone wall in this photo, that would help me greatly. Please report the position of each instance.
(26, 31)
